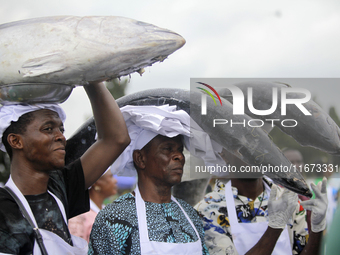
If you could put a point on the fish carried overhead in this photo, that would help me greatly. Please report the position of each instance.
(314, 127)
(252, 145)
(75, 50)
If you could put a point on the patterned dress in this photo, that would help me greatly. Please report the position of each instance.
(214, 213)
(115, 230)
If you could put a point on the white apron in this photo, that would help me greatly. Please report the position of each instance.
(246, 235)
(152, 247)
(54, 244)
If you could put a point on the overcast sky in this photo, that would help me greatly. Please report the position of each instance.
(231, 39)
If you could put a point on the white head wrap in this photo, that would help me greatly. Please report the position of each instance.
(146, 122)
(13, 112)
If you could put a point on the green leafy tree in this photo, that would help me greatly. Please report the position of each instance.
(117, 87)
(333, 114)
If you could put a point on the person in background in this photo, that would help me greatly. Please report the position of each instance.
(104, 187)
(126, 184)
(295, 157)
(242, 216)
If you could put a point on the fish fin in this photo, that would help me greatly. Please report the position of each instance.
(46, 64)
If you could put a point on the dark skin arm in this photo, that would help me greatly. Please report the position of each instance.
(279, 212)
(313, 245)
(112, 138)
(268, 241)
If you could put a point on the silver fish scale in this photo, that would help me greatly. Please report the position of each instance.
(74, 50)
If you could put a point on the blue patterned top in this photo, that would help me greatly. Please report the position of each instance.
(115, 230)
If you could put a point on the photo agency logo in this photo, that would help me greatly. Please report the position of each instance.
(204, 97)
(244, 101)
(239, 114)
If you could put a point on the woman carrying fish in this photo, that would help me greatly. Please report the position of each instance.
(40, 186)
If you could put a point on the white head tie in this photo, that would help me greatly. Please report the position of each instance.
(13, 112)
(146, 122)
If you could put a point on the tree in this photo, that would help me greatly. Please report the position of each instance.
(117, 87)
(335, 117)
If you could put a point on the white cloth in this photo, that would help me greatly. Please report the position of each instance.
(52, 242)
(13, 112)
(94, 207)
(246, 235)
(145, 122)
(155, 248)
(280, 210)
(318, 206)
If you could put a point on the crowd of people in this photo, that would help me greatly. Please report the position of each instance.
(50, 208)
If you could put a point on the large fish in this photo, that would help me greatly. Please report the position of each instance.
(252, 145)
(74, 50)
(317, 130)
